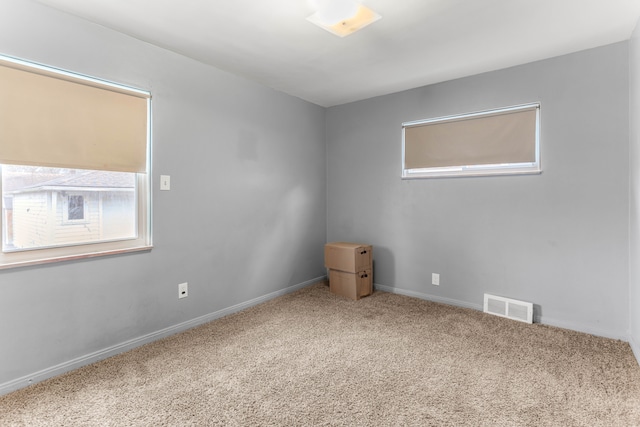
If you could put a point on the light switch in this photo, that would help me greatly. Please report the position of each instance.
(165, 182)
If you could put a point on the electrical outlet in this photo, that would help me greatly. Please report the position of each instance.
(183, 290)
(435, 279)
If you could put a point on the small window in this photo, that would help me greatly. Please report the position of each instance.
(75, 208)
(74, 165)
(502, 141)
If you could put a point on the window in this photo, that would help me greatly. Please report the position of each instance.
(74, 160)
(75, 208)
(503, 141)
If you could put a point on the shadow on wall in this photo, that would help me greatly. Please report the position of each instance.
(384, 266)
(537, 313)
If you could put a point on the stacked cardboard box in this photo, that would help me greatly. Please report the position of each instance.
(350, 269)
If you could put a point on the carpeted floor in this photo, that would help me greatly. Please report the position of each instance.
(311, 358)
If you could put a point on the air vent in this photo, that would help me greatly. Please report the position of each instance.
(509, 308)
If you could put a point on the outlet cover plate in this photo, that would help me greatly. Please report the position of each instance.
(183, 290)
(435, 279)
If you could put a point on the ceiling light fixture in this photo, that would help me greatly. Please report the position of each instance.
(342, 17)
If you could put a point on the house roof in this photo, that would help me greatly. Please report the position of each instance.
(85, 179)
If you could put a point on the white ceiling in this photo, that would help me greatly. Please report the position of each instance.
(417, 42)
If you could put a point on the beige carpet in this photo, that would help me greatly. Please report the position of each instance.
(314, 359)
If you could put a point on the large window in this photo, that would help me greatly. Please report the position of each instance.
(74, 165)
(502, 141)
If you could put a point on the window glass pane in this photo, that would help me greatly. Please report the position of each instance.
(76, 208)
(46, 207)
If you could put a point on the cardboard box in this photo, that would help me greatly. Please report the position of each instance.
(351, 285)
(349, 257)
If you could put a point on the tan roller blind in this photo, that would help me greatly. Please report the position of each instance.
(54, 120)
(496, 138)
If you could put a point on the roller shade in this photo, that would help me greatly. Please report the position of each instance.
(505, 137)
(58, 120)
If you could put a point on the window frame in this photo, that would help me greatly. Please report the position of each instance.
(143, 198)
(475, 169)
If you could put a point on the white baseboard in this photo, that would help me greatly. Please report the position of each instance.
(578, 327)
(76, 363)
(429, 297)
(538, 319)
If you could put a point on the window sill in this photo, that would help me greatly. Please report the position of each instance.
(462, 172)
(71, 257)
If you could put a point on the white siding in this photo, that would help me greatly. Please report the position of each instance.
(31, 221)
(67, 232)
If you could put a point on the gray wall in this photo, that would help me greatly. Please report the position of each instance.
(634, 198)
(559, 239)
(245, 219)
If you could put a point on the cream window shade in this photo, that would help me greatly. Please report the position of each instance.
(499, 138)
(59, 120)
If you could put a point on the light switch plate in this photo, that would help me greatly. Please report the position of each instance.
(165, 182)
